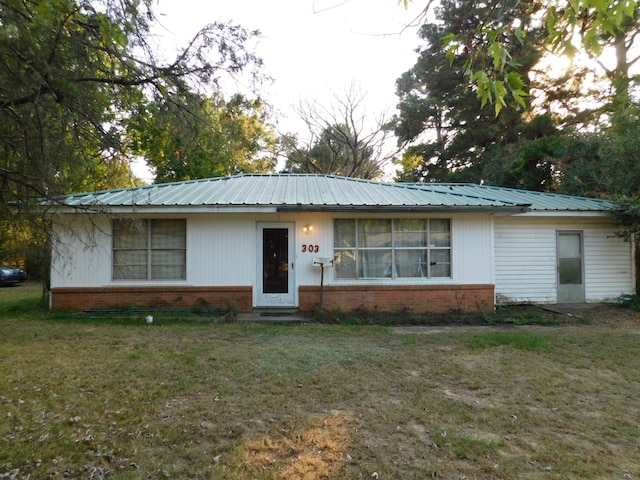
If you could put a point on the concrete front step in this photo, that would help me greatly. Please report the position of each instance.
(274, 315)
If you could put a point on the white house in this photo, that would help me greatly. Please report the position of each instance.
(286, 240)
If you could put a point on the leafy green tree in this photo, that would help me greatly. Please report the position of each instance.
(212, 137)
(489, 65)
(527, 165)
(72, 75)
(443, 122)
(605, 163)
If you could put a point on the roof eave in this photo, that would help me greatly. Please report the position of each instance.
(182, 209)
(515, 209)
(568, 213)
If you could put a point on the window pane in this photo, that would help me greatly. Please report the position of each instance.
(375, 263)
(440, 240)
(569, 246)
(130, 264)
(410, 233)
(168, 257)
(130, 234)
(344, 234)
(441, 256)
(130, 257)
(345, 264)
(440, 263)
(410, 263)
(440, 234)
(374, 233)
(168, 234)
(440, 225)
(168, 272)
(129, 272)
(441, 270)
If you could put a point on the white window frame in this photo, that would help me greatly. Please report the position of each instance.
(423, 265)
(151, 251)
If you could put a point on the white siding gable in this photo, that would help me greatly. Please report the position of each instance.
(525, 259)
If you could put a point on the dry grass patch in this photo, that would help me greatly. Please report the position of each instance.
(318, 448)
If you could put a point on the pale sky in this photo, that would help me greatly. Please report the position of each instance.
(313, 48)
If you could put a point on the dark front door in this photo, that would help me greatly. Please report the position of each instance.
(275, 260)
(275, 286)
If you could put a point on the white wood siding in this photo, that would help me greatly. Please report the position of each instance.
(525, 259)
(520, 257)
(81, 252)
(472, 249)
(220, 250)
(609, 264)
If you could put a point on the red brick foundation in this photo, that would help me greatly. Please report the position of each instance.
(238, 298)
(389, 298)
(411, 298)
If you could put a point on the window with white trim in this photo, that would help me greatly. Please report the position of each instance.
(151, 249)
(392, 248)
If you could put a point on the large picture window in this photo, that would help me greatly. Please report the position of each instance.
(149, 249)
(392, 248)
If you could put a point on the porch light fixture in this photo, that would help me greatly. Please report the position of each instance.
(307, 229)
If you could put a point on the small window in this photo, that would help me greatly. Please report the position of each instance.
(392, 248)
(149, 249)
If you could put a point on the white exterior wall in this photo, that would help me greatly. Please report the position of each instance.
(222, 249)
(525, 259)
(472, 252)
(81, 252)
(519, 257)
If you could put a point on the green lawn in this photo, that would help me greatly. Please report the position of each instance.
(85, 397)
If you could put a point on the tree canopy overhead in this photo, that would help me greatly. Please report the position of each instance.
(451, 137)
(559, 131)
(590, 25)
(71, 75)
(201, 137)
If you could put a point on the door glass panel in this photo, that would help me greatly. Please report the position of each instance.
(570, 259)
(569, 246)
(570, 271)
(275, 260)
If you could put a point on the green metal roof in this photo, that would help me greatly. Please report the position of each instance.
(539, 201)
(295, 192)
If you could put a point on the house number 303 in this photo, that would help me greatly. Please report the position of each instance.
(310, 248)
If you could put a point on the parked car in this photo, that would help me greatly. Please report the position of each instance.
(11, 276)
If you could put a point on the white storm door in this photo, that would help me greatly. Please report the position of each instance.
(570, 267)
(276, 268)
